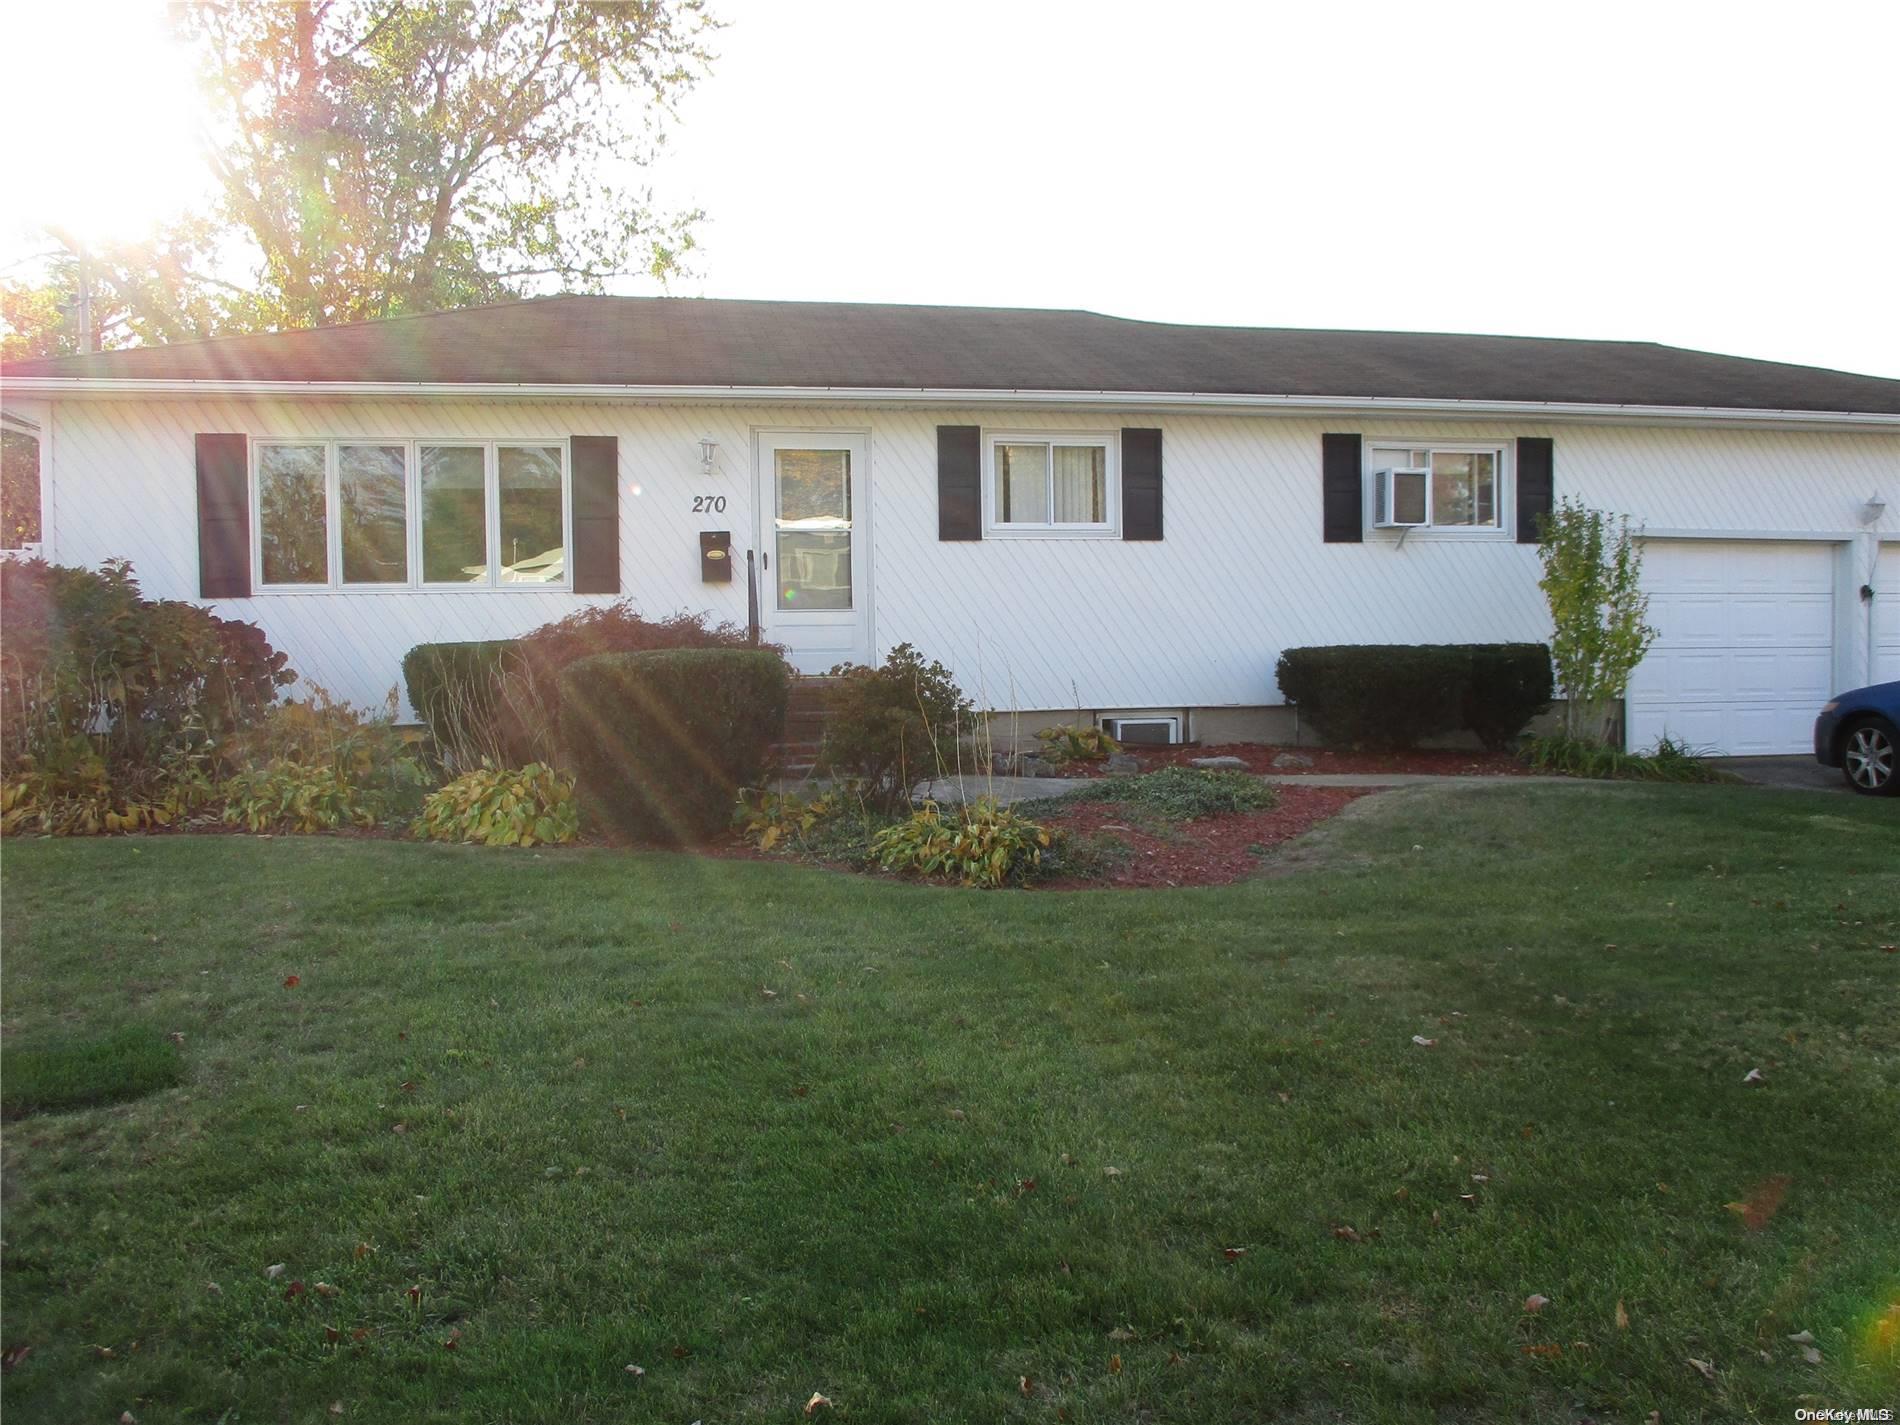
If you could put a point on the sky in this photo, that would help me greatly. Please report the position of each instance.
(1721, 176)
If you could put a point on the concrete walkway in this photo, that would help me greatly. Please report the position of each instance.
(1022, 789)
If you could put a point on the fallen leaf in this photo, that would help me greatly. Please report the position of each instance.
(1547, 1351)
(1802, 1338)
(1423, 1042)
(1026, 1386)
(177, 1038)
(1705, 1368)
(634, 1370)
(817, 1403)
(1233, 1254)
(1175, 1358)
(1115, 1365)
(1811, 1355)
(361, 1333)
(1622, 1316)
(363, 1249)
(1122, 1333)
(293, 1291)
(324, 1289)
(126, 1417)
(398, 1128)
(1345, 1233)
(958, 1114)
(453, 1339)
(331, 1335)
(414, 1294)
(336, 1407)
(214, 1289)
(1763, 1203)
(1024, 1185)
(773, 994)
(1753, 1076)
(1111, 1172)
(292, 981)
(103, 1353)
(1534, 1304)
(274, 1271)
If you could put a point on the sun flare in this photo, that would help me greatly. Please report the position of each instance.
(113, 149)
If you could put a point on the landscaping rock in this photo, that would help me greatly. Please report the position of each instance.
(1123, 762)
(1292, 759)
(1218, 764)
(1030, 766)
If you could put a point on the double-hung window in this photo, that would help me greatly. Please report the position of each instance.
(410, 513)
(1050, 484)
(1464, 484)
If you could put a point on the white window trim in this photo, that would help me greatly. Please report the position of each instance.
(1503, 450)
(412, 513)
(1110, 441)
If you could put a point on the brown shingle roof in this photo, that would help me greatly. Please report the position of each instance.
(673, 341)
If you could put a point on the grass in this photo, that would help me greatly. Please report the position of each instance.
(765, 1130)
(1668, 761)
(77, 1072)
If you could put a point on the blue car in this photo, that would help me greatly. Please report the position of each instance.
(1859, 732)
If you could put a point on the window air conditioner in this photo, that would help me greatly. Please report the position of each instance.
(1399, 498)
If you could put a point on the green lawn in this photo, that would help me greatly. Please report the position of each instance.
(970, 1138)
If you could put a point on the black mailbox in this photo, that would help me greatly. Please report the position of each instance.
(715, 556)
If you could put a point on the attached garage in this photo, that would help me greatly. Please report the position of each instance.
(1744, 656)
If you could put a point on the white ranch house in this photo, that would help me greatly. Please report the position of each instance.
(1074, 512)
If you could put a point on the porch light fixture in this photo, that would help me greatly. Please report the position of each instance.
(708, 453)
(1875, 507)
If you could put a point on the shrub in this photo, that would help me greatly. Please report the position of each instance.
(466, 694)
(1396, 695)
(1507, 684)
(977, 844)
(320, 764)
(493, 807)
(887, 725)
(1063, 745)
(77, 1072)
(661, 742)
(1593, 583)
(1670, 761)
(88, 655)
(500, 700)
(1181, 793)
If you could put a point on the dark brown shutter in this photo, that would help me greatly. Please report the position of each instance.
(1535, 486)
(959, 482)
(1343, 489)
(224, 517)
(1141, 484)
(596, 476)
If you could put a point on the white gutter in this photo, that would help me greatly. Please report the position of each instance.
(934, 396)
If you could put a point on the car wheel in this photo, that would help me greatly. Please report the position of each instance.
(1869, 754)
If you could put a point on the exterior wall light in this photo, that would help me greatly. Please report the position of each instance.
(708, 453)
(1875, 507)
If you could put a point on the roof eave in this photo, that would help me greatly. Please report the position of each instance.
(913, 396)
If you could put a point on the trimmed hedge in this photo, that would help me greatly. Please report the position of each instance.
(1396, 695)
(454, 689)
(661, 742)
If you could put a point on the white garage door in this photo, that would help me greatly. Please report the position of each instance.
(1745, 653)
(1887, 615)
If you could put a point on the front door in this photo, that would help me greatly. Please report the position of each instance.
(814, 545)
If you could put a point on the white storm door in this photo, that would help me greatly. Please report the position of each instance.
(814, 500)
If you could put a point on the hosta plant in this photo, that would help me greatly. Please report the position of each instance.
(977, 844)
(493, 806)
(771, 820)
(1064, 744)
(299, 797)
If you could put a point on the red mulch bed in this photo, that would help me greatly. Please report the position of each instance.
(1259, 758)
(1210, 852)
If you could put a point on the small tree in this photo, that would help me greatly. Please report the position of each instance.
(1593, 584)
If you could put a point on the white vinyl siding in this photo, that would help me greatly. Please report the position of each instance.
(1027, 623)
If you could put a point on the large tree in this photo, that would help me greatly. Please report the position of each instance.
(375, 157)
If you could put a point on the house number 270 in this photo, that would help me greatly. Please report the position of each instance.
(709, 504)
